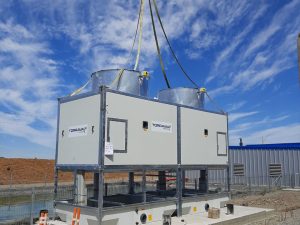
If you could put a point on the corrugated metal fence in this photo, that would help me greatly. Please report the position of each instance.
(262, 165)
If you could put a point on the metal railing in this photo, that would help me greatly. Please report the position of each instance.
(19, 204)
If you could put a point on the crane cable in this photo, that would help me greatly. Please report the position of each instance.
(171, 49)
(158, 49)
(133, 43)
(177, 60)
(140, 23)
(214, 103)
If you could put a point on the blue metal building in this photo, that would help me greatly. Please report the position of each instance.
(265, 164)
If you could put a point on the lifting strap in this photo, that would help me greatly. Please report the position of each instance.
(77, 91)
(170, 47)
(133, 43)
(157, 48)
(118, 78)
(140, 23)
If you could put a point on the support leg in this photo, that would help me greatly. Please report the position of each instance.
(162, 183)
(55, 184)
(131, 183)
(81, 188)
(203, 181)
(179, 192)
(100, 196)
(96, 185)
(144, 189)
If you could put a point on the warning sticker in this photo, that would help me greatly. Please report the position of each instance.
(77, 131)
(109, 148)
(161, 127)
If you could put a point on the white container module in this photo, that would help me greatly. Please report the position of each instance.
(142, 132)
(137, 131)
(203, 137)
(78, 132)
(111, 131)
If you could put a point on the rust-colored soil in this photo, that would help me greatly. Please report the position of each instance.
(30, 171)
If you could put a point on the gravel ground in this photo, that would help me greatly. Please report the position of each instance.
(282, 218)
(285, 203)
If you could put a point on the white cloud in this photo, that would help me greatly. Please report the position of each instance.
(104, 35)
(207, 31)
(224, 56)
(235, 116)
(282, 134)
(29, 85)
(241, 128)
(197, 28)
(235, 106)
(19, 125)
(251, 130)
(279, 19)
(258, 62)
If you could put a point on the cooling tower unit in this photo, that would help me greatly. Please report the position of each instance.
(128, 81)
(183, 96)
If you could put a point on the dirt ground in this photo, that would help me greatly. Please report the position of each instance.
(278, 200)
(31, 171)
(285, 203)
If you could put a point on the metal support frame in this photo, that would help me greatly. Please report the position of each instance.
(56, 155)
(75, 187)
(183, 179)
(203, 181)
(131, 183)
(100, 196)
(101, 152)
(55, 185)
(179, 169)
(162, 182)
(179, 191)
(228, 163)
(96, 185)
(144, 189)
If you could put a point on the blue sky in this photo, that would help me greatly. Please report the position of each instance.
(243, 52)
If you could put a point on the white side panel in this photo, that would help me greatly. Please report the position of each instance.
(156, 145)
(196, 146)
(78, 140)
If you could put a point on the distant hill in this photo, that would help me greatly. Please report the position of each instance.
(29, 171)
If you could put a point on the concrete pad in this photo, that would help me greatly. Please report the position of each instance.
(291, 189)
(242, 215)
(54, 222)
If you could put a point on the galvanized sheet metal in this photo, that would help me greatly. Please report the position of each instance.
(128, 81)
(256, 162)
(184, 96)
